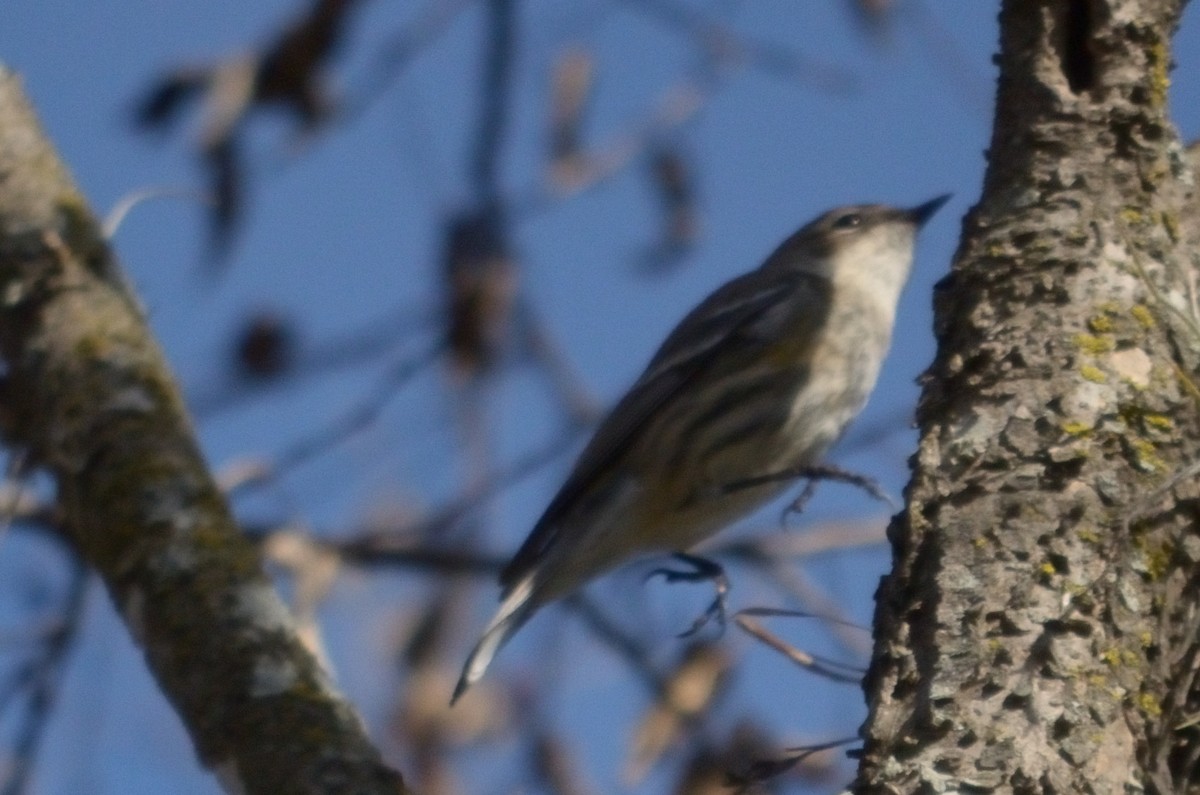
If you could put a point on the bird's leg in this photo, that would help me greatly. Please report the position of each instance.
(702, 569)
(813, 474)
(806, 494)
(831, 472)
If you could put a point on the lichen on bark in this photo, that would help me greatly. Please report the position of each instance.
(1037, 630)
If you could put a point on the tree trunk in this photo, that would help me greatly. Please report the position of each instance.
(1038, 631)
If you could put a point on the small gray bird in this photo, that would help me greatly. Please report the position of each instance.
(764, 375)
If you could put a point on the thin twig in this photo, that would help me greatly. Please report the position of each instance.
(763, 769)
(357, 418)
(116, 216)
(821, 666)
(16, 502)
(47, 673)
(369, 552)
(792, 581)
(779, 612)
(951, 62)
(503, 478)
(496, 99)
(826, 537)
(366, 343)
(404, 545)
(625, 645)
(724, 44)
(404, 47)
(580, 405)
(676, 106)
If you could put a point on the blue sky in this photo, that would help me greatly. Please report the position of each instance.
(348, 230)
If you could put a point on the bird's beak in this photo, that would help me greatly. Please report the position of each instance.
(922, 213)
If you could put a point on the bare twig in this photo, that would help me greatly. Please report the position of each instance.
(792, 581)
(677, 105)
(941, 46)
(626, 646)
(581, 407)
(725, 45)
(555, 766)
(479, 286)
(826, 668)
(404, 47)
(674, 186)
(405, 546)
(358, 418)
(778, 612)
(764, 769)
(496, 482)
(15, 500)
(680, 102)
(694, 684)
(116, 216)
(826, 537)
(496, 101)
(288, 72)
(372, 552)
(570, 90)
(365, 343)
(45, 676)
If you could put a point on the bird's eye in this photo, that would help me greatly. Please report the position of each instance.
(848, 221)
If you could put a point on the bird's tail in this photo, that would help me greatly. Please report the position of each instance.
(514, 611)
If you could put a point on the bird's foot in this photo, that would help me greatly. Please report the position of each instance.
(702, 569)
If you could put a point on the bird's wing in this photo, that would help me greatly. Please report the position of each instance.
(742, 313)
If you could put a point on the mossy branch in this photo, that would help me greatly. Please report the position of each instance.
(85, 391)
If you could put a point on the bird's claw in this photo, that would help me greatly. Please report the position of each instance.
(702, 569)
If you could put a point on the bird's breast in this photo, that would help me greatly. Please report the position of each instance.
(843, 367)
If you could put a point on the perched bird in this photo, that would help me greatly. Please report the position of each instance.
(764, 375)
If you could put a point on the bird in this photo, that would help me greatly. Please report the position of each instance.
(764, 375)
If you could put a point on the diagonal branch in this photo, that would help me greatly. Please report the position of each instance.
(86, 392)
(496, 98)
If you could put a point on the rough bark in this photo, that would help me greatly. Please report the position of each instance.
(1038, 632)
(85, 391)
